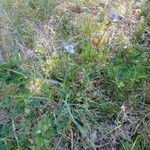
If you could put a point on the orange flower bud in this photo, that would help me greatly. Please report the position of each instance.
(94, 41)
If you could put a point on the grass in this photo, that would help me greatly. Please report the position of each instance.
(96, 98)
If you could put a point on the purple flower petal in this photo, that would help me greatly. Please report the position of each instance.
(68, 47)
(114, 16)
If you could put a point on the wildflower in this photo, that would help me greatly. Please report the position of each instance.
(114, 16)
(95, 41)
(69, 48)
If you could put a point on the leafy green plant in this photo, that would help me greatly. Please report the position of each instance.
(11, 72)
(126, 69)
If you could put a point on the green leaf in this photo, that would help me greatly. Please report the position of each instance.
(46, 127)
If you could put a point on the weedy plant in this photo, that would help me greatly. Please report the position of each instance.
(73, 80)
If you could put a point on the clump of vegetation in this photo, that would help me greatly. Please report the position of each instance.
(74, 75)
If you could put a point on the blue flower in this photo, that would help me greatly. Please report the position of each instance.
(69, 48)
(114, 16)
